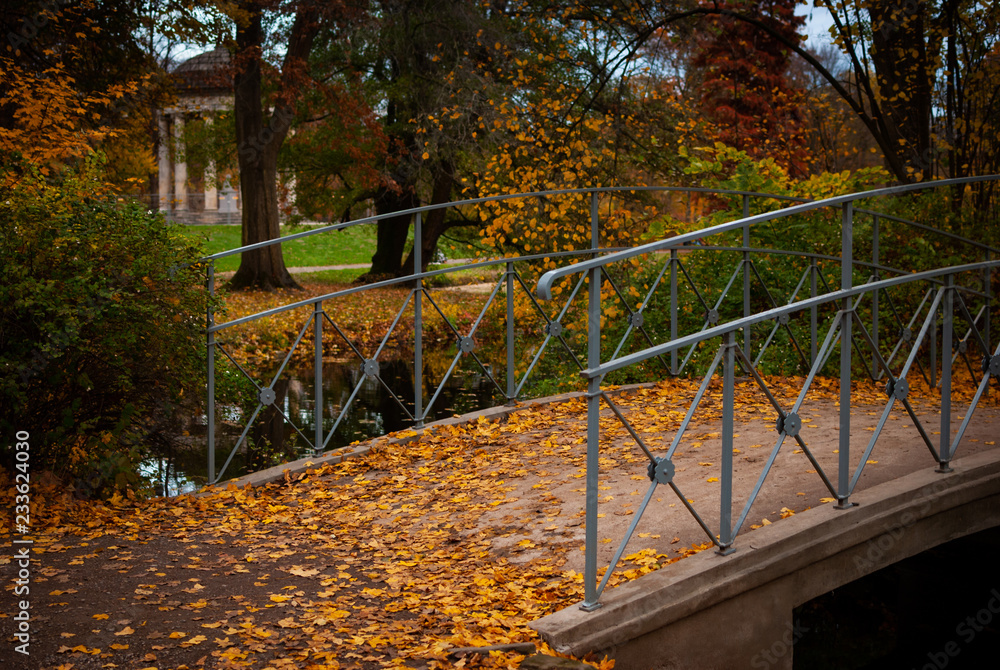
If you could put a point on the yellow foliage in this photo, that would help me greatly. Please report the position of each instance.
(52, 121)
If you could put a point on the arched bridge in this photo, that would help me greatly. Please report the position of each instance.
(839, 292)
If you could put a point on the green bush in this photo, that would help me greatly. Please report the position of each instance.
(100, 329)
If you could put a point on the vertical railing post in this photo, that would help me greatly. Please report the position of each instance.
(726, 494)
(846, 282)
(948, 308)
(673, 309)
(593, 421)
(318, 376)
(746, 275)
(933, 345)
(595, 241)
(210, 390)
(418, 322)
(876, 372)
(511, 372)
(987, 280)
(813, 313)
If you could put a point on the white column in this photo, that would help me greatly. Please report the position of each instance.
(211, 189)
(163, 164)
(180, 167)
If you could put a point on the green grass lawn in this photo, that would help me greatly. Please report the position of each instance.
(342, 247)
(351, 246)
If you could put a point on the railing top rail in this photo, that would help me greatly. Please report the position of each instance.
(547, 280)
(721, 329)
(581, 191)
(495, 198)
(499, 261)
(399, 280)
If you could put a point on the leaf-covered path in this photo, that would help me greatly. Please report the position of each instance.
(458, 539)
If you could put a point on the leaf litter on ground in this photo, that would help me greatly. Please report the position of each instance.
(378, 561)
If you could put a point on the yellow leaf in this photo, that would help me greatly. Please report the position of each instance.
(83, 649)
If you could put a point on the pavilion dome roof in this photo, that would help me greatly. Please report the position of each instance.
(205, 74)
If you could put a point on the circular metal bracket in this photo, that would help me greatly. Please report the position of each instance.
(712, 316)
(963, 346)
(266, 396)
(662, 471)
(898, 389)
(370, 368)
(467, 345)
(554, 328)
(636, 319)
(783, 319)
(994, 366)
(790, 424)
(906, 334)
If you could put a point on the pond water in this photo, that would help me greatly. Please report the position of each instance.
(374, 412)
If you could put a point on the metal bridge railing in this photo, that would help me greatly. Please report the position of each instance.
(674, 356)
(945, 301)
(510, 281)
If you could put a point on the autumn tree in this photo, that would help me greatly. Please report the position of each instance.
(117, 52)
(425, 71)
(71, 75)
(922, 80)
(96, 334)
(836, 138)
(744, 88)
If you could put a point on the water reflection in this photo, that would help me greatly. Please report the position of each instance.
(374, 412)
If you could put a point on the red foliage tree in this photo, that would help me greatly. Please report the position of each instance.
(744, 90)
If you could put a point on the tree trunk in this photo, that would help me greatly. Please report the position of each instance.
(900, 56)
(434, 224)
(258, 145)
(390, 241)
(261, 268)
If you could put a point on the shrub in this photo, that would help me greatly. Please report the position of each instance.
(100, 328)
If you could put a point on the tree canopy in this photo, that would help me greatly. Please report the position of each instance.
(378, 107)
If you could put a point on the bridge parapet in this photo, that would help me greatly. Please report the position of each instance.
(950, 290)
(736, 611)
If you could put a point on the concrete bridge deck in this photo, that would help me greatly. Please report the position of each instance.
(796, 544)
(552, 489)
